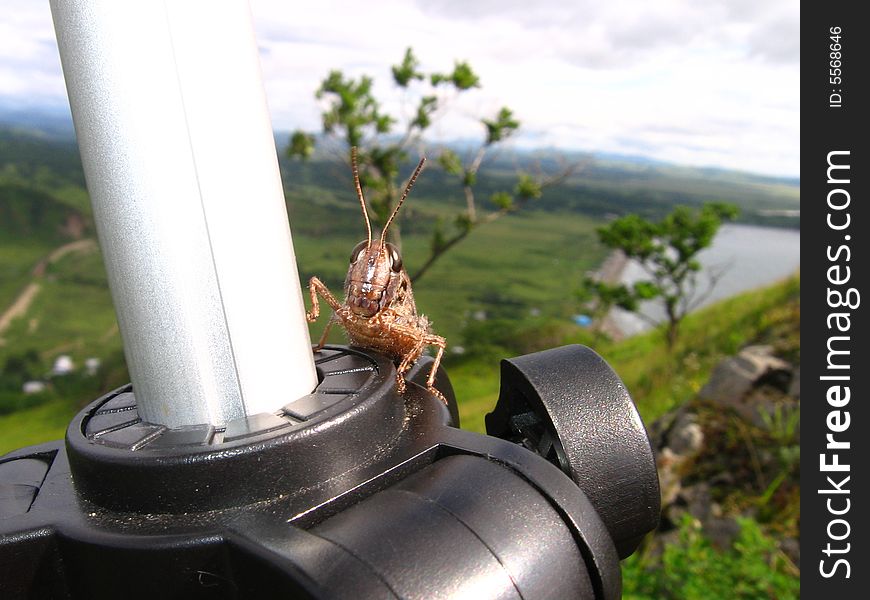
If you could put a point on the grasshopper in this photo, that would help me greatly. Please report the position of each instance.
(378, 311)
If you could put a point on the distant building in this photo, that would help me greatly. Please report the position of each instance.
(582, 320)
(63, 365)
(92, 365)
(33, 387)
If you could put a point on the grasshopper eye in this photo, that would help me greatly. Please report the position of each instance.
(395, 258)
(358, 251)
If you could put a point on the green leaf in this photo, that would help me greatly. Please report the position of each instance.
(501, 127)
(351, 107)
(462, 78)
(450, 162)
(632, 234)
(428, 105)
(646, 290)
(301, 145)
(406, 72)
(463, 222)
(439, 239)
(383, 123)
(607, 295)
(528, 188)
(502, 200)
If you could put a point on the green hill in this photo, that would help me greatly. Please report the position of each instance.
(519, 272)
(598, 188)
(657, 380)
(29, 213)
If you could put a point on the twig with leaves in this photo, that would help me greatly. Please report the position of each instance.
(355, 117)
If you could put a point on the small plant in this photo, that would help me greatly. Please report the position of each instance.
(667, 252)
(693, 569)
(782, 423)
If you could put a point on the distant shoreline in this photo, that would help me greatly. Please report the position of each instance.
(611, 272)
(612, 268)
(734, 254)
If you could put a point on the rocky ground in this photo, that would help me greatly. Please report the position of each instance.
(734, 451)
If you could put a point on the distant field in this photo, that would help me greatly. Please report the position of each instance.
(657, 380)
(17, 260)
(520, 271)
(523, 264)
(598, 188)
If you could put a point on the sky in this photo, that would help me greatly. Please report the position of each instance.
(702, 83)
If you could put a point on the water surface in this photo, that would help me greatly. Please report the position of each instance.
(745, 256)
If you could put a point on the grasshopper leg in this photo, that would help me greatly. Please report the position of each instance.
(440, 343)
(325, 334)
(423, 340)
(315, 286)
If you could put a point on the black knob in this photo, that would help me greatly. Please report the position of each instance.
(568, 405)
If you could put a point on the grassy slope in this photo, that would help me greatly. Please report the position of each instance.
(544, 253)
(542, 256)
(30, 227)
(522, 263)
(35, 425)
(660, 381)
(17, 259)
(657, 380)
(71, 314)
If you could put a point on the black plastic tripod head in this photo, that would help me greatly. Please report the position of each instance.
(350, 492)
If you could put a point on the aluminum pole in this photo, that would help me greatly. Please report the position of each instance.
(179, 158)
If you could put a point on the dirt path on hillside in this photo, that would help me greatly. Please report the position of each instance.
(19, 306)
(22, 302)
(86, 244)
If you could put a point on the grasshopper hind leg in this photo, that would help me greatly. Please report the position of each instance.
(411, 357)
(440, 343)
(325, 335)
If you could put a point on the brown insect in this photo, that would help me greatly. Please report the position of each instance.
(378, 310)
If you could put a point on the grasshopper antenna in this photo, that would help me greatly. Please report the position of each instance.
(402, 199)
(359, 194)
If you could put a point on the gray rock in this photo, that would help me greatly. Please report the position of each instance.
(670, 475)
(699, 502)
(723, 479)
(686, 436)
(722, 532)
(735, 376)
(677, 439)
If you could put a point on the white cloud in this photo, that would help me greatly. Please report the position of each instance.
(29, 63)
(713, 83)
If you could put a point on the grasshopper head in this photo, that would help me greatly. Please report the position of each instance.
(372, 268)
(374, 265)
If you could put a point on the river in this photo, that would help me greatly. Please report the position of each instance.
(745, 256)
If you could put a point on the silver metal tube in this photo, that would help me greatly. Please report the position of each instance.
(179, 157)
